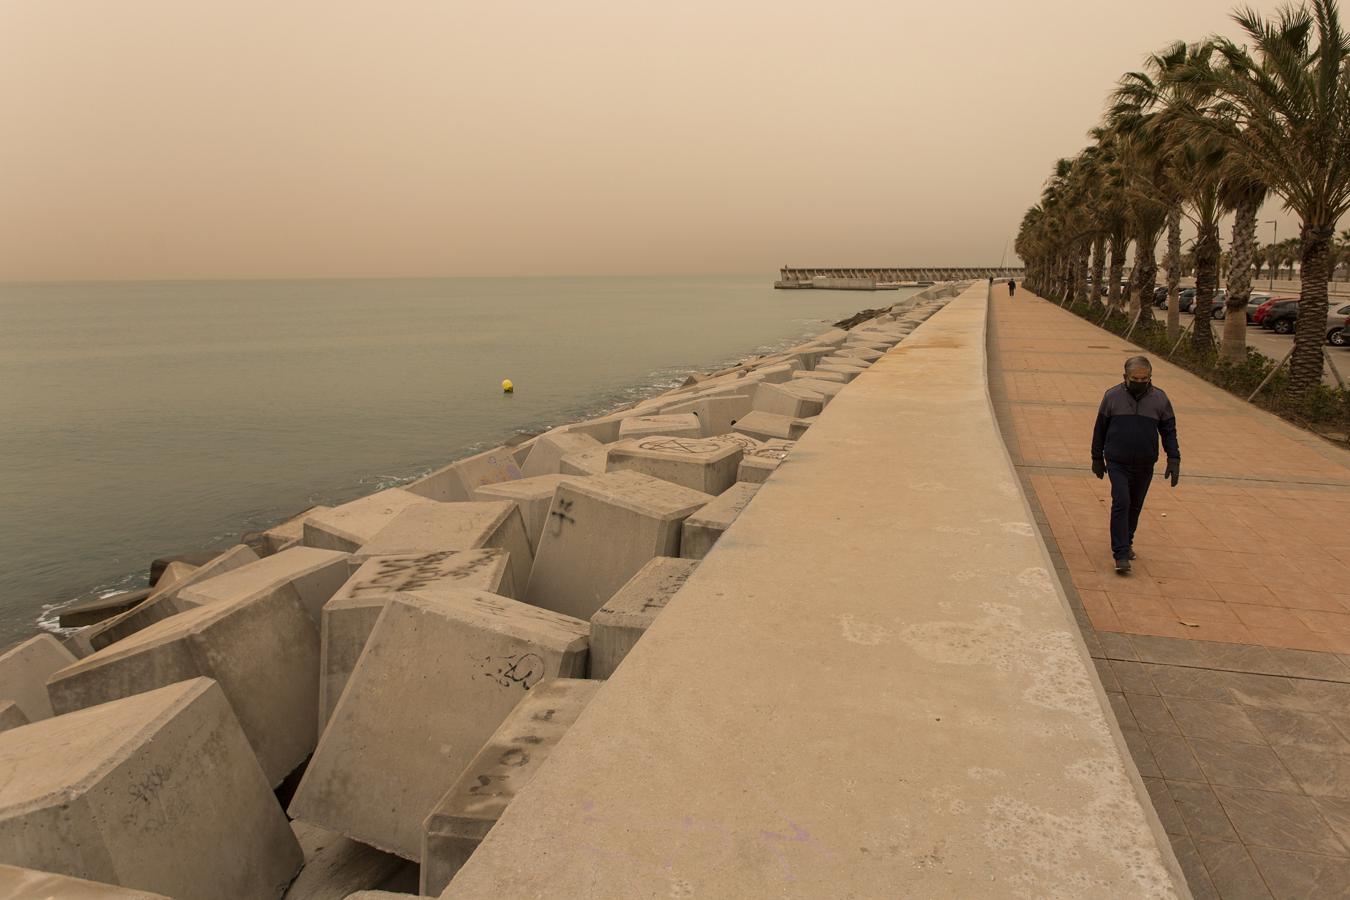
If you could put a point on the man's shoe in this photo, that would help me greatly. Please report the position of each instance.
(1122, 566)
(1133, 555)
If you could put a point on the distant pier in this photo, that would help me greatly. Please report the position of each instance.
(885, 278)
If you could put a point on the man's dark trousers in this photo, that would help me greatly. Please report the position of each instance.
(1129, 486)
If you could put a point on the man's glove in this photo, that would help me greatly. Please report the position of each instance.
(1099, 467)
(1173, 470)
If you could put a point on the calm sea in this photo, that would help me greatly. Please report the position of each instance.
(139, 419)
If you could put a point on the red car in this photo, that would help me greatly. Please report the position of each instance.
(1260, 315)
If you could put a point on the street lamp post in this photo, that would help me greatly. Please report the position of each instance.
(1275, 239)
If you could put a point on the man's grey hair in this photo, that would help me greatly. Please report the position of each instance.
(1138, 362)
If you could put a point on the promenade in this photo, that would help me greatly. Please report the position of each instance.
(1226, 652)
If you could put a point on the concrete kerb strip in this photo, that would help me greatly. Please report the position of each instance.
(970, 752)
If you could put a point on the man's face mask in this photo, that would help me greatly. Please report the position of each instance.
(1138, 383)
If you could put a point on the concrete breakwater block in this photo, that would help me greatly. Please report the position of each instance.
(683, 425)
(845, 362)
(617, 626)
(862, 353)
(703, 464)
(100, 609)
(162, 602)
(827, 389)
(703, 528)
(506, 763)
(600, 532)
(159, 792)
(350, 525)
(11, 716)
(588, 462)
(18, 883)
(880, 346)
(290, 532)
(757, 466)
(314, 575)
(262, 649)
(763, 426)
(604, 429)
(439, 673)
(835, 336)
(458, 480)
(818, 375)
(336, 866)
(717, 414)
(349, 618)
(159, 564)
(550, 448)
(24, 670)
(848, 372)
(532, 496)
(787, 399)
(778, 372)
(467, 525)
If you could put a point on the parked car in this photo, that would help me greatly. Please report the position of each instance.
(1186, 299)
(1336, 318)
(1220, 310)
(1160, 296)
(1282, 317)
(1341, 337)
(1259, 317)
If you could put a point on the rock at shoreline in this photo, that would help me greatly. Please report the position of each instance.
(159, 791)
(600, 532)
(716, 414)
(312, 575)
(349, 618)
(288, 534)
(617, 626)
(506, 763)
(438, 675)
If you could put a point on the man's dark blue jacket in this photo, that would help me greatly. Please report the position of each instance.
(1127, 429)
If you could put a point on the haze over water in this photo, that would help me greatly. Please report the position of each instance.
(150, 418)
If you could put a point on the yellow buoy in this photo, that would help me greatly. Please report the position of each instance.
(507, 386)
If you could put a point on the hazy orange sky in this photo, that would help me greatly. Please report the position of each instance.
(159, 139)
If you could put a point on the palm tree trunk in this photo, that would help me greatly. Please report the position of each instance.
(1206, 281)
(1174, 271)
(1080, 270)
(1117, 269)
(1305, 366)
(1098, 270)
(1240, 280)
(1146, 273)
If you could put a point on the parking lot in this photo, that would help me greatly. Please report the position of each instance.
(1273, 345)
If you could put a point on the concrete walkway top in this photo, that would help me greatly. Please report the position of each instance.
(872, 687)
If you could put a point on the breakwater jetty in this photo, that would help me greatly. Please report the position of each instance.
(884, 278)
(834, 661)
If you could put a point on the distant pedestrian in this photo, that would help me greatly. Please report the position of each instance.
(1012, 287)
(1125, 446)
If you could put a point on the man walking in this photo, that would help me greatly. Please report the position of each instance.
(1012, 287)
(1132, 417)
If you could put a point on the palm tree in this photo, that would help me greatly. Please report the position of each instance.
(1285, 113)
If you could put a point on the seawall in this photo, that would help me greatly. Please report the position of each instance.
(871, 687)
